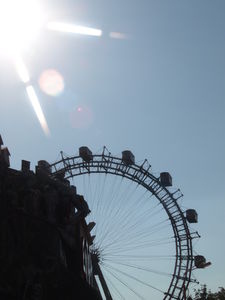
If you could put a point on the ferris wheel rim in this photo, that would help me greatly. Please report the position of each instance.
(107, 164)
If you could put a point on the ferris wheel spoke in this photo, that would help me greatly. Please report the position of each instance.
(151, 242)
(140, 220)
(124, 216)
(139, 267)
(101, 196)
(138, 246)
(123, 283)
(134, 237)
(139, 258)
(139, 235)
(100, 206)
(135, 244)
(132, 213)
(133, 278)
(124, 227)
(114, 287)
(109, 210)
(119, 198)
(111, 221)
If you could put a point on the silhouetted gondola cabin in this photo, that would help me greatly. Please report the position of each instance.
(200, 261)
(128, 157)
(85, 153)
(166, 179)
(191, 216)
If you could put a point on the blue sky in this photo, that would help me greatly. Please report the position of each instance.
(160, 93)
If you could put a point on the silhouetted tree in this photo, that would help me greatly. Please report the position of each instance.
(204, 294)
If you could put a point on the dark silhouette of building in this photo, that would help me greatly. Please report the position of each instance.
(44, 238)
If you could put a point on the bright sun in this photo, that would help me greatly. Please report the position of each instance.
(20, 23)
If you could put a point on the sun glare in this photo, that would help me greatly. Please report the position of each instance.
(73, 28)
(22, 70)
(20, 23)
(37, 108)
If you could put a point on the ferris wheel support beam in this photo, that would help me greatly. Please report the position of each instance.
(98, 272)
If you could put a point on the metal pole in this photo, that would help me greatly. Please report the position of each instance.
(98, 272)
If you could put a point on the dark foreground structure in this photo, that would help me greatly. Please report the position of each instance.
(44, 252)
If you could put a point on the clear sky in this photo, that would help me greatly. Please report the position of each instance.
(158, 91)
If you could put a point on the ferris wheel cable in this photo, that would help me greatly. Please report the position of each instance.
(145, 256)
(112, 210)
(142, 268)
(137, 245)
(84, 186)
(119, 216)
(90, 187)
(135, 258)
(122, 249)
(144, 231)
(141, 197)
(127, 243)
(101, 198)
(101, 189)
(112, 216)
(148, 242)
(124, 216)
(131, 240)
(124, 195)
(157, 240)
(127, 228)
(139, 260)
(132, 248)
(101, 210)
(119, 212)
(140, 219)
(124, 283)
(126, 235)
(134, 278)
(95, 197)
(110, 206)
(120, 237)
(117, 291)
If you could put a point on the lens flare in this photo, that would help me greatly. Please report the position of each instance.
(73, 28)
(22, 70)
(118, 35)
(51, 82)
(37, 108)
(81, 117)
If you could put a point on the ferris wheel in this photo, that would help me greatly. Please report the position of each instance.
(141, 238)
